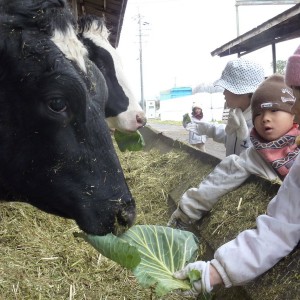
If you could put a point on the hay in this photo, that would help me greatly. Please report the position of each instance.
(40, 258)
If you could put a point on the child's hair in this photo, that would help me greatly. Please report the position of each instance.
(194, 111)
(272, 94)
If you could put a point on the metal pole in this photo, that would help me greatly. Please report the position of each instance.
(141, 63)
(237, 20)
(274, 57)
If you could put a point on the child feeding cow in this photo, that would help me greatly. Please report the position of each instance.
(271, 156)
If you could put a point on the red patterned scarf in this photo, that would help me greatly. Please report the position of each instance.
(281, 153)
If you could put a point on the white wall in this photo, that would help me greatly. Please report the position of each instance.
(211, 104)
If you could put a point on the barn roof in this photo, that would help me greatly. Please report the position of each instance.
(282, 27)
(112, 10)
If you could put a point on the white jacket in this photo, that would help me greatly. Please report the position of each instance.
(228, 175)
(255, 251)
(195, 138)
(233, 144)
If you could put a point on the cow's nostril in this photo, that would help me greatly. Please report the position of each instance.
(141, 120)
(126, 213)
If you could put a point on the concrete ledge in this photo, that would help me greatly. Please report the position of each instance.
(223, 223)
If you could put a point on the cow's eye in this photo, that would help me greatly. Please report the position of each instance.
(57, 105)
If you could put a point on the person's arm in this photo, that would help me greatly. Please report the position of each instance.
(214, 276)
(216, 132)
(229, 174)
(255, 251)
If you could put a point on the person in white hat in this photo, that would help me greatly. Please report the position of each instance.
(240, 78)
(277, 233)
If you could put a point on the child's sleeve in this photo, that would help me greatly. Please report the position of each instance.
(214, 131)
(255, 251)
(229, 174)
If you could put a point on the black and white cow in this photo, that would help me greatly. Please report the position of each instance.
(56, 151)
(122, 109)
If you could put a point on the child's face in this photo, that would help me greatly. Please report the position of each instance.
(236, 101)
(273, 124)
(198, 110)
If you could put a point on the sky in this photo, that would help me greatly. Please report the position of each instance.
(178, 37)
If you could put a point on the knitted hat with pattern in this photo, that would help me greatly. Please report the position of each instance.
(272, 94)
(241, 76)
(292, 72)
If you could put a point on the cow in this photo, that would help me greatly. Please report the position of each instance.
(56, 151)
(122, 109)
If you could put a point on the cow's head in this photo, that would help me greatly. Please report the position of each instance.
(122, 109)
(56, 151)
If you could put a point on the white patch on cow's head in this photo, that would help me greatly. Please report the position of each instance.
(71, 46)
(134, 117)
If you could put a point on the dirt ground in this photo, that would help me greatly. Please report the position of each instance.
(179, 133)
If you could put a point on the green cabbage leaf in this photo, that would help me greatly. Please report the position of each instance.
(129, 141)
(153, 253)
(114, 248)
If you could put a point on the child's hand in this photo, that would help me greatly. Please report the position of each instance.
(199, 286)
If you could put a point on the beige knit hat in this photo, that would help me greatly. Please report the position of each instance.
(271, 94)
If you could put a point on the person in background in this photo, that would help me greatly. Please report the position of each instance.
(240, 78)
(196, 140)
(271, 156)
(277, 232)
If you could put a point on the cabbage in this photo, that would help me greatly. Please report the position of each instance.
(129, 141)
(153, 253)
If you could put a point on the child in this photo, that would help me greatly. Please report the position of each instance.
(271, 156)
(195, 139)
(239, 79)
(255, 251)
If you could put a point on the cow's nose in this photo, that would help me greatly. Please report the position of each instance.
(125, 216)
(141, 120)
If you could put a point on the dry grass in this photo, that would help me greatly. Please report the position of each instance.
(40, 258)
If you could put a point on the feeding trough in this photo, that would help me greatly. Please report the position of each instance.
(232, 214)
(40, 258)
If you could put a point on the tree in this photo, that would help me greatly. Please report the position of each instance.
(207, 88)
(280, 66)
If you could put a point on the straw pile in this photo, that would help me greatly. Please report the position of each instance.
(40, 258)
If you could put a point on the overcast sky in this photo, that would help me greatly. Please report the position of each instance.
(180, 36)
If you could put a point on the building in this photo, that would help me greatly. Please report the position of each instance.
(174, 103)
(176, 92)
(150, 109)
